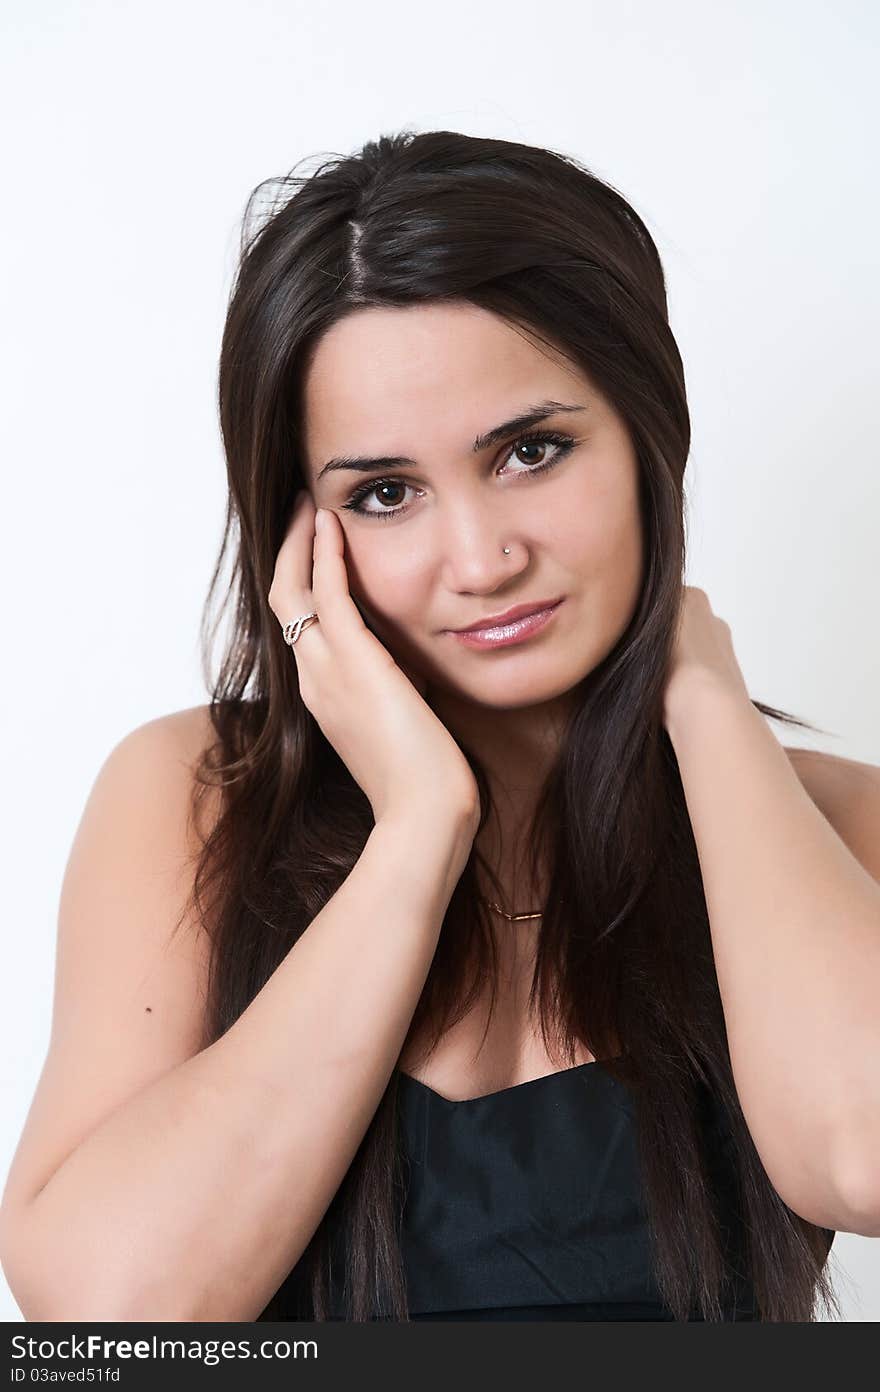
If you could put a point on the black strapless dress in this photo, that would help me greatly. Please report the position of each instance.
(526, 1204)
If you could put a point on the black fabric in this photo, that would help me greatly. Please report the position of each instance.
(527, 1204)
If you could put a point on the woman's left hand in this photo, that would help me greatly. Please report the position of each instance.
(703, 652)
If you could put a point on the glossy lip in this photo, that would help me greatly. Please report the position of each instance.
(519, 611)
(503, 635)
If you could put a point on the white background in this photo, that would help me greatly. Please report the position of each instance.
(745, 134)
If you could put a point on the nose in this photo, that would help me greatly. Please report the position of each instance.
(472, 541)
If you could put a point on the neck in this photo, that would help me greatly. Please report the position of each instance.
(516, 746)
(516, 749)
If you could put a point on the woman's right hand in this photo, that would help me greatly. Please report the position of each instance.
(394, 746)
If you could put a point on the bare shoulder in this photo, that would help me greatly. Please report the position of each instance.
(161, 757)
(183, 735)
(847, 793)
(833, 782)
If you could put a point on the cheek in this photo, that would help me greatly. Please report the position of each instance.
(599, 543)
(593, 539)
(388, 586)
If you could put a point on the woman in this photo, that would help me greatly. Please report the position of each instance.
(442, 1036)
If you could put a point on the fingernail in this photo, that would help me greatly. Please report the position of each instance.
(319, 519)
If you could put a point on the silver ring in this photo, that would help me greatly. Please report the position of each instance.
(293, 629)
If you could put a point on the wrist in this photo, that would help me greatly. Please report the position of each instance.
(433, 831)
(426, 849)
(700, 697)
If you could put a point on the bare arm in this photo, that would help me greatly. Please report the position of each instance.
(795, 925)
(193, 1198)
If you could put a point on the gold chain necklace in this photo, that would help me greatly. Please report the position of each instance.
(511, 918)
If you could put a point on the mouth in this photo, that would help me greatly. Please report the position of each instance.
(506, 616)
(514, 626)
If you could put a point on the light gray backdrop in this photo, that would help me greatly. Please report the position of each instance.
(744, 133)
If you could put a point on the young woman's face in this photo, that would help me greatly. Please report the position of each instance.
(424, 543)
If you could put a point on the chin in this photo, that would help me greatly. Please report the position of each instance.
(502, 693)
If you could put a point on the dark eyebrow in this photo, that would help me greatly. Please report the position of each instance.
(532, 416)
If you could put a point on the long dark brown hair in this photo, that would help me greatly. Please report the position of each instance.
(624, 963)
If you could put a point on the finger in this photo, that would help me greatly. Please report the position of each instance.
(330, 592)
(293, 564)
(290, 595)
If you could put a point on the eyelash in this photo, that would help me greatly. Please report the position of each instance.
(564, 444)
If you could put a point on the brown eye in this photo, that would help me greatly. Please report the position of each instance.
(529, 445)
(561, 445)
(389, 487)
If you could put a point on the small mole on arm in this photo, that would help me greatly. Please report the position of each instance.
(149, 1007)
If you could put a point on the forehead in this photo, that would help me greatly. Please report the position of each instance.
(382, 374)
